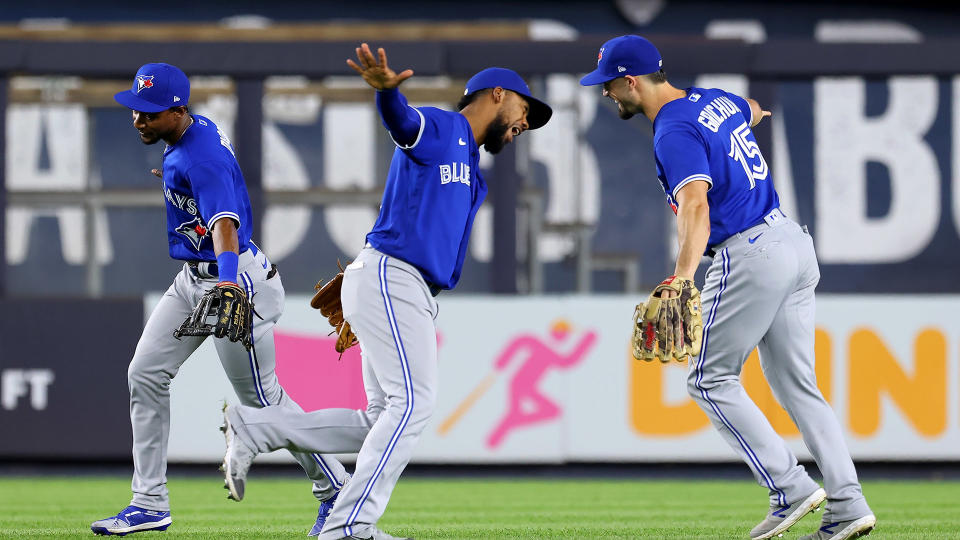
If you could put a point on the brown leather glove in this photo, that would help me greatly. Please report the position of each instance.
(327, 300)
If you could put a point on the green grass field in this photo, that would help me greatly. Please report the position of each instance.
(63, 507)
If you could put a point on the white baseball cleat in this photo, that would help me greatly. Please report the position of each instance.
(844, 530)
(376, 534)
(237, 458)
(781, 518)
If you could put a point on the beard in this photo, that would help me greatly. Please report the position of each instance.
(496, 136)
(623, 112)
(154, 139)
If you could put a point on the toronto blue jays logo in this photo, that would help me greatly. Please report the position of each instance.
(144, 81)
(600, 56)
(194, 230)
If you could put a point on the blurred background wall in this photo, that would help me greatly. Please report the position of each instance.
(864, 148)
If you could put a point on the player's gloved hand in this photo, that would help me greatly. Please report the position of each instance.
(669, 324)
(327, 300)
(232, 310)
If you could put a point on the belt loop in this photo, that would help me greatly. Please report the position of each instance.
(774, 216)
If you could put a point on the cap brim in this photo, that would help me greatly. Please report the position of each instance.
(539, 113)
(595, 77)
(131, 101)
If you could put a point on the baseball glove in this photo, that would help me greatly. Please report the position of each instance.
(233, 314)
(327, 300)
(665, 328)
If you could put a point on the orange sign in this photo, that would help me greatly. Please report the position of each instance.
(873, 375)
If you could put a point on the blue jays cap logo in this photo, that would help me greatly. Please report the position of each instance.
(144, 81)
(600, 56)
(168, 87)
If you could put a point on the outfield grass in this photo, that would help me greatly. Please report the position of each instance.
(60, 507)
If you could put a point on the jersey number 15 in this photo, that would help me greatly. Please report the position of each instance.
(744, 150)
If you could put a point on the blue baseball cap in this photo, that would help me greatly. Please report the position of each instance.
(508, 79)
(624, 55)
(156, 88)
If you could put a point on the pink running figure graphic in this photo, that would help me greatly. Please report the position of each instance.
(527, 404)
(540, 358)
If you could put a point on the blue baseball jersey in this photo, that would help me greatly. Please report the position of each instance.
(432, 195)
(706, 137)
(203, 184)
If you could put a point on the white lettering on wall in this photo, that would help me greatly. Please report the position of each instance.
(955, 152)
(18, 383)
(64, 129)
(572, 167)
(845, 140)
(349, 163)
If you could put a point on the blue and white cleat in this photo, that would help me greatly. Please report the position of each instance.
(375, 534)
(325, 508)
(781, 518)
(132, 519)
(844, 530)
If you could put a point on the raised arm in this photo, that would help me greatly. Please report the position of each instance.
(401, 120)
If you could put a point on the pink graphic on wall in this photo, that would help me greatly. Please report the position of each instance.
(313, 374)
(528, 405)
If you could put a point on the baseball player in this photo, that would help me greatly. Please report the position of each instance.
(209, 225)
(759, 289)
(415, 250)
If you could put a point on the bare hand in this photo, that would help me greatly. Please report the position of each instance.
(757, 113)
(375, 70)
(158, 173)
(764, 114)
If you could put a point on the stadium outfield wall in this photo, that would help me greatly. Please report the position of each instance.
(553, 382)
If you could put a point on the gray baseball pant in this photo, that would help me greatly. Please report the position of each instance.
(391, 310)
(759, 292)
(159, 356)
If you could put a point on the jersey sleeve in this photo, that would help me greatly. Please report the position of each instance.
(744, 107)
(435, 129)
(683, 158)
(213, 187)
(403, 122)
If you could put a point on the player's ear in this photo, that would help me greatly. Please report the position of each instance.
(499, 94)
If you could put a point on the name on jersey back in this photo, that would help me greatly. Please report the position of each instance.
(716, 112)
